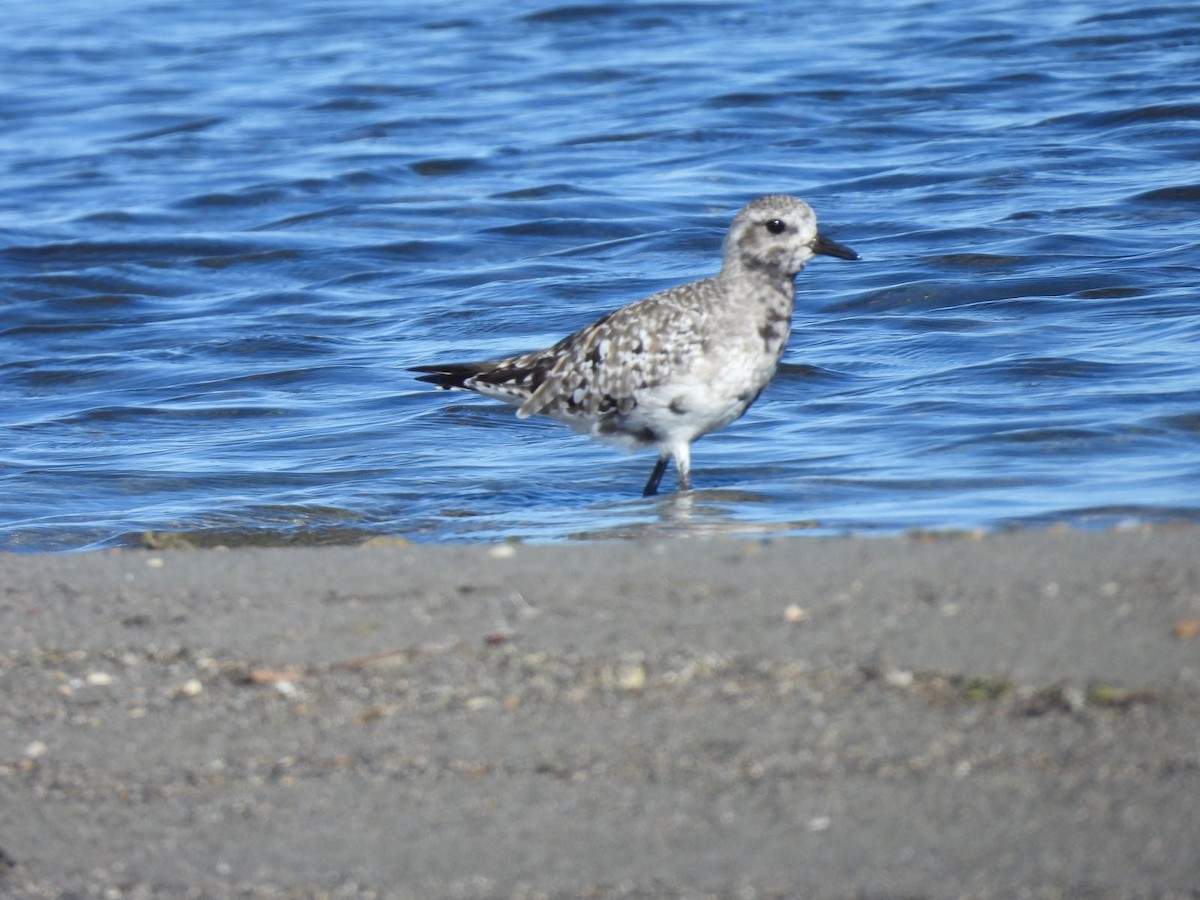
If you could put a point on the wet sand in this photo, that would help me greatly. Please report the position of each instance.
(1013, 715)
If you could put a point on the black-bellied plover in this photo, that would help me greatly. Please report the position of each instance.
(678, 364)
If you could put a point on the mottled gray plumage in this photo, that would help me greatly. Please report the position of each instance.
(665, 370)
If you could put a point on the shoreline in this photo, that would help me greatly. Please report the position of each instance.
(923, 715)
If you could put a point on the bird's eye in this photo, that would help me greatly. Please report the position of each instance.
(776, 226)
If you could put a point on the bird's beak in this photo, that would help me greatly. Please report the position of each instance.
(826, 247)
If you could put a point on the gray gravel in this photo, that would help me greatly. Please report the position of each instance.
(1011, 716)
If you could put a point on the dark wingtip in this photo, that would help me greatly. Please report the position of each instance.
(450, 375)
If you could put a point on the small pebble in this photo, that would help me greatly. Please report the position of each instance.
(1186, 629)
(632, 677)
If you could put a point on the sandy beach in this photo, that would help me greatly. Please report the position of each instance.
(1009, 715)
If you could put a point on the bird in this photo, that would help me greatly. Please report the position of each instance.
(667, 369)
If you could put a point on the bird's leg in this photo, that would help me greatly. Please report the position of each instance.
(660, 467)
(683, 466)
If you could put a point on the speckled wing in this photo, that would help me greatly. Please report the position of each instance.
(602, 368)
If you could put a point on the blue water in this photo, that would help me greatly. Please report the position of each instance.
(226, 229)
